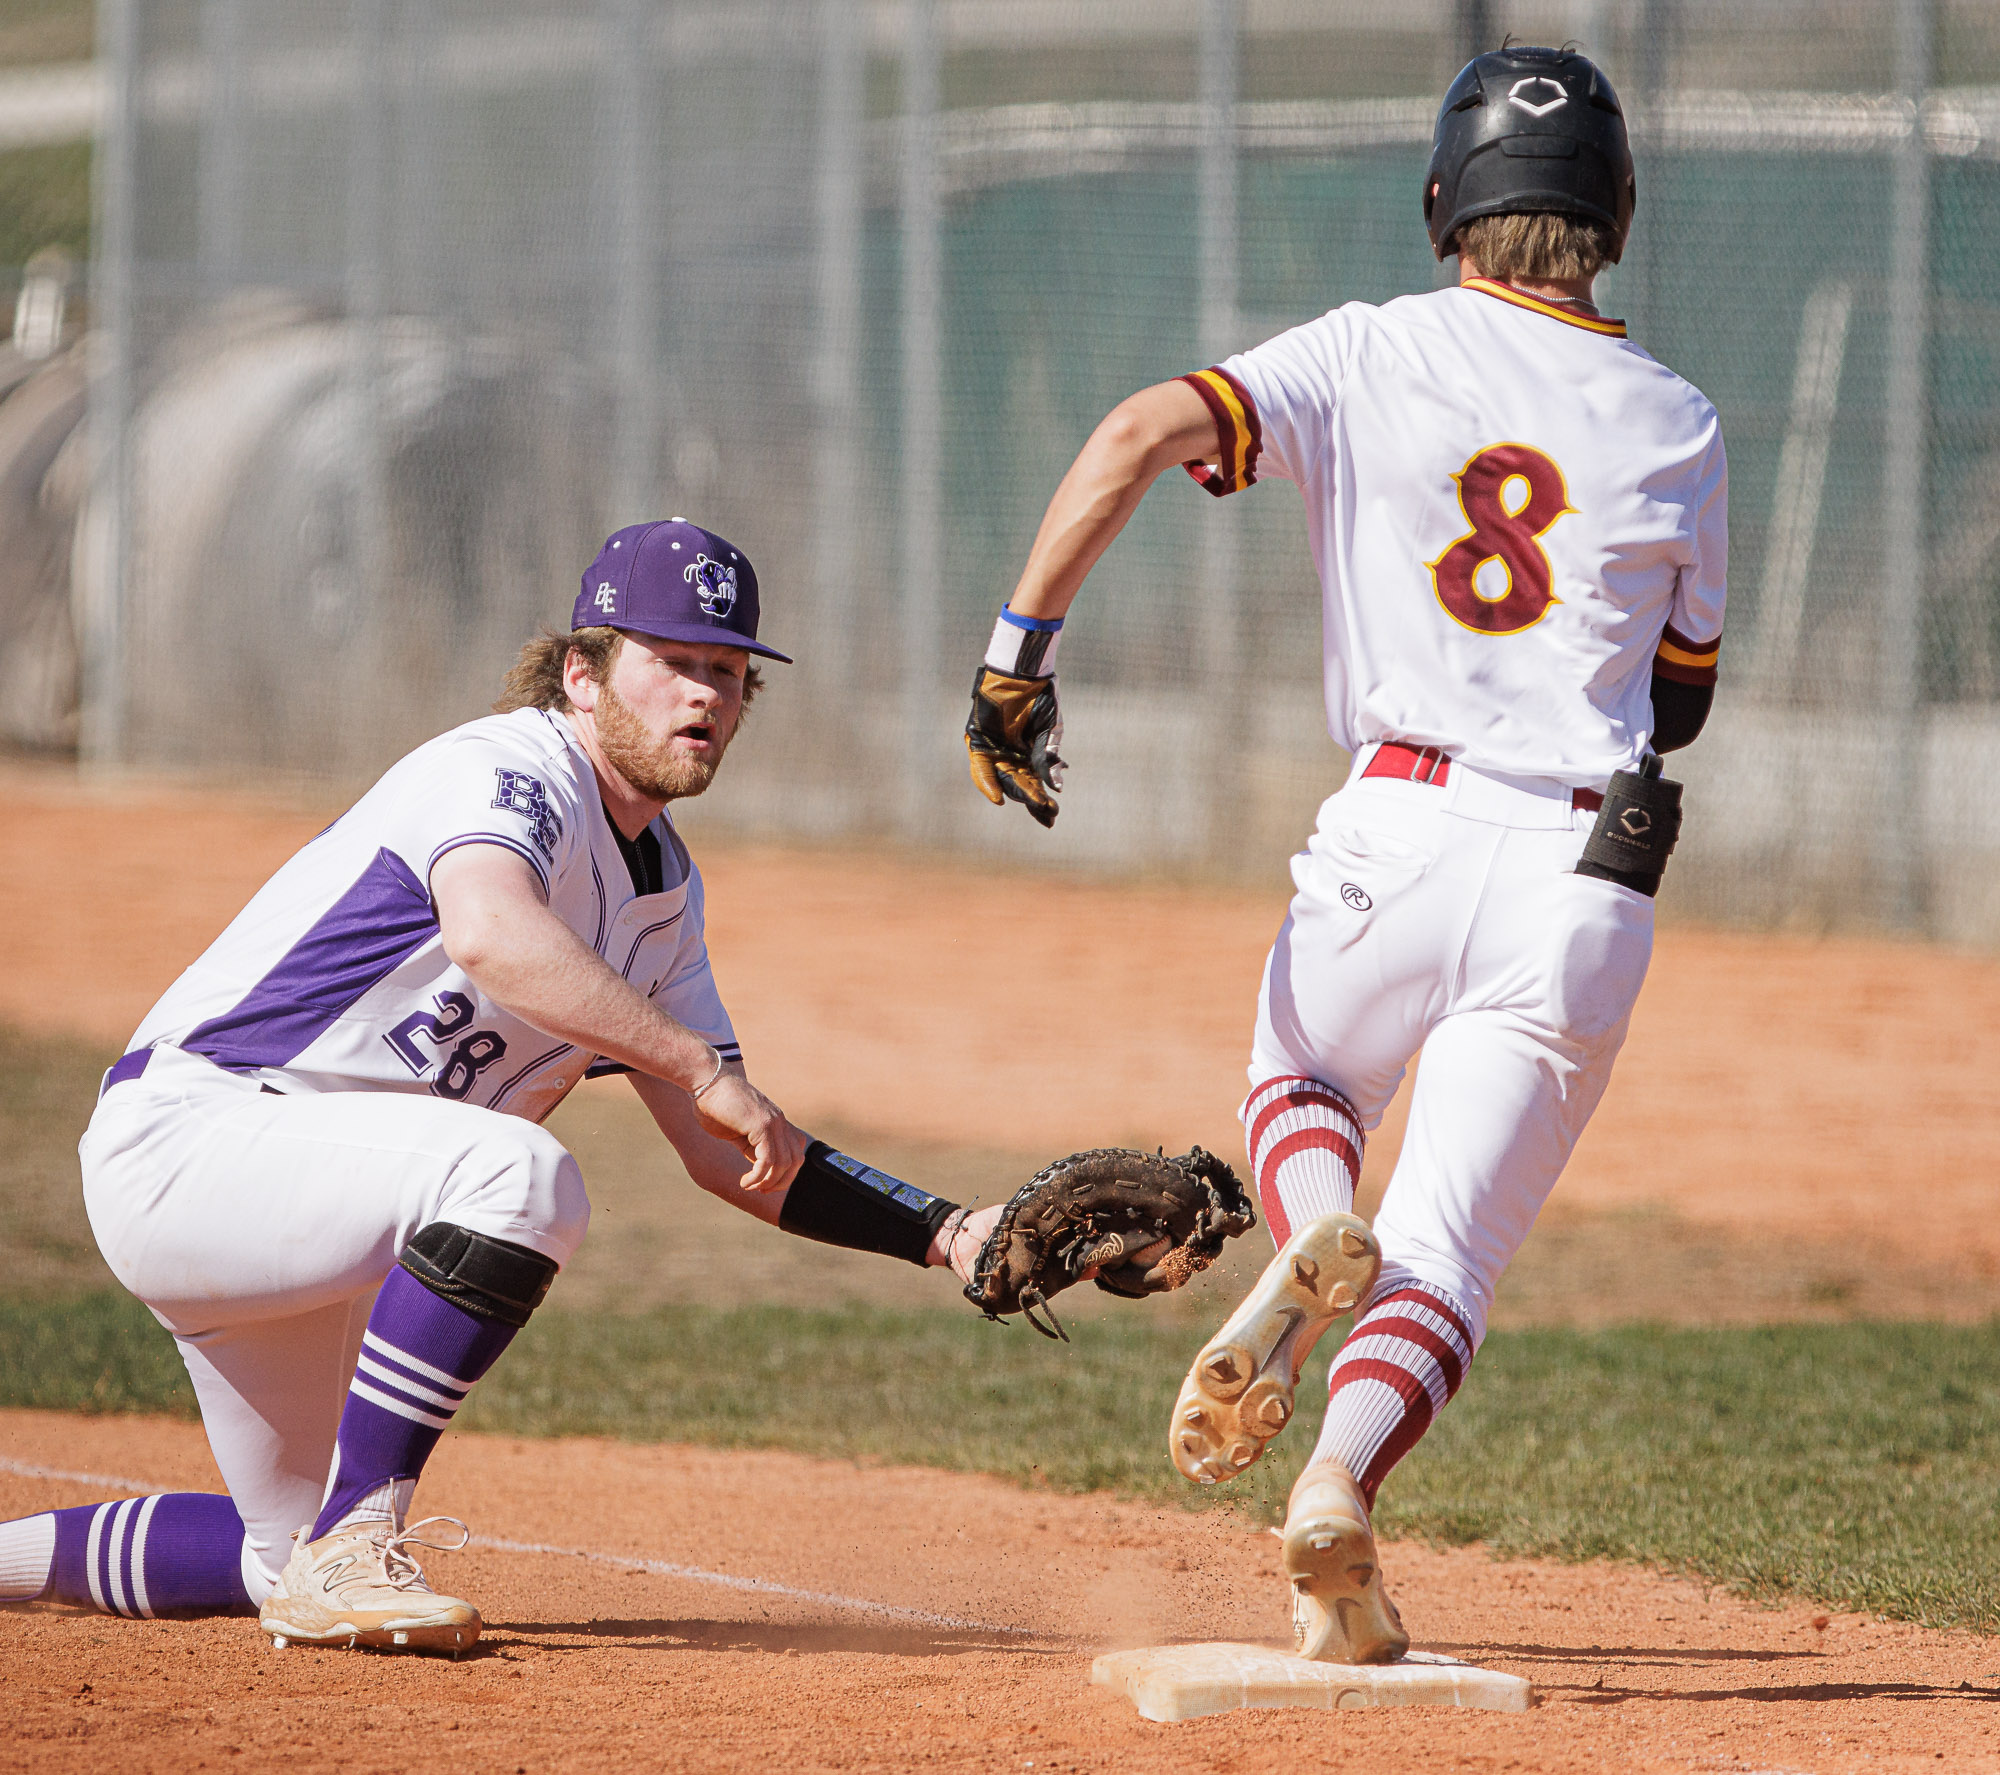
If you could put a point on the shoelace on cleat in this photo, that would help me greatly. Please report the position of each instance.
(406, 1573)
(399, 1569)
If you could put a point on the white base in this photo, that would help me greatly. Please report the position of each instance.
(1185, 1682)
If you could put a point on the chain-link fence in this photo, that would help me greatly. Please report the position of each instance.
(401, 304)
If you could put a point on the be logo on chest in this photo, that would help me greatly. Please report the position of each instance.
(1496, 578)
(519, 793)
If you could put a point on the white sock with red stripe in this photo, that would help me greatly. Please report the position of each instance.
(1399, 1368)
(1305, 1146)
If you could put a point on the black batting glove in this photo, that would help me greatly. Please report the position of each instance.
(1011, 737)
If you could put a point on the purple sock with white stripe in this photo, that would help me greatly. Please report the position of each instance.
(177, 1554)
(419, 1358)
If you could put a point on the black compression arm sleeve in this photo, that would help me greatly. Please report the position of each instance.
(1679, 712)
(840, 1201)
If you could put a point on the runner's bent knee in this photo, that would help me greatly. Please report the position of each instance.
(1406, 1261)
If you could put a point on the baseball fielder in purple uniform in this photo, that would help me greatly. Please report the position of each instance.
(321, 1163)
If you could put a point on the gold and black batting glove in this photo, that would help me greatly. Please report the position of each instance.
(1012, 735)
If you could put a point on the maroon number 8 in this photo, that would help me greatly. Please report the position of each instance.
(1509, 533)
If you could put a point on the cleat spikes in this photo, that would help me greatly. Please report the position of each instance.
(1226, 1373)
(1340, 1612)
(1239, 1392)
(1266, 1406)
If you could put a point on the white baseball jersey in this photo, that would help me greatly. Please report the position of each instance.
(334, 978)
(1515, 513)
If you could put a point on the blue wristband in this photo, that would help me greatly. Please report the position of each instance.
(1024, 646)
(1040, 624)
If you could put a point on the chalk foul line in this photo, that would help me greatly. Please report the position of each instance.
(113, 1481)
(661, 1568)
(762, 1586)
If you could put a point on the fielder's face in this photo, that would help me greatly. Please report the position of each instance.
(665, 713)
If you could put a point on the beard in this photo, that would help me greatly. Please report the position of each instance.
(651, 765)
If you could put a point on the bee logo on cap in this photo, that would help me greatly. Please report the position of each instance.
(714, 583)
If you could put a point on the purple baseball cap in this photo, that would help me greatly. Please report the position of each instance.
(674, 580)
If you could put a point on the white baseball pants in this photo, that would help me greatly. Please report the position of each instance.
(1447, 918)
(259, 1227)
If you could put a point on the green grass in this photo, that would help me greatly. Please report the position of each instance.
(97, 1352)
(1857, 1464)
(48, 1085)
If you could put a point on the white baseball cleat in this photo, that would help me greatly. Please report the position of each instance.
(1340, 1612)
(1238, 1394)
(360, 1587)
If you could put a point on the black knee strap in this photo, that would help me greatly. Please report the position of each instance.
(840, 1201)
(486, 1276)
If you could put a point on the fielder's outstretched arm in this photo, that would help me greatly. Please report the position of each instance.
(716, 1165)
(497, 927)
(1141, 1222)
(832, 1198)
(1139, 439)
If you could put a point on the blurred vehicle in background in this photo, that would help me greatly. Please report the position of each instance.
(43, 470)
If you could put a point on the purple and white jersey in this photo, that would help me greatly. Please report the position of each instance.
(334, 978)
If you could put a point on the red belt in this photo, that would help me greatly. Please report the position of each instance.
(1427, 764)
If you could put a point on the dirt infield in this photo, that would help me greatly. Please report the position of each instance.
(1820, 1110)
(1825, 1109)
(926, 1620)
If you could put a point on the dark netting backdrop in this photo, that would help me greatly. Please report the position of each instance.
(402, 304)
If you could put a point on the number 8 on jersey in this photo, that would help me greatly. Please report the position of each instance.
(1510, 494)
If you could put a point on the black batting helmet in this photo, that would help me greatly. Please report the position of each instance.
(1528, 130)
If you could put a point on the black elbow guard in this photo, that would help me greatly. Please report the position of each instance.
(1679, 712)
(840, 1201)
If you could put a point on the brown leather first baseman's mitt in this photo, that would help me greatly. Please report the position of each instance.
(1144, 1223)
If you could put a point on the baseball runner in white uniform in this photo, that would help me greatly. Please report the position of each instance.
(1519, 522)
(321, 1164)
